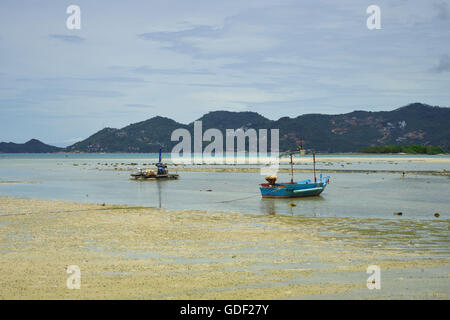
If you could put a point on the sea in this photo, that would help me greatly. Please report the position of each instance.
(362, 186)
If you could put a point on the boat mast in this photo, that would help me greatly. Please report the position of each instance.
(314, 165)
(292, 170)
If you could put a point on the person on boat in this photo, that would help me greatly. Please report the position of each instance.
(271, 179)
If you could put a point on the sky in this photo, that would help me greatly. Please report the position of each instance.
(133, 60)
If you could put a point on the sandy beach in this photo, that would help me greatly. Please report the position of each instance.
(146, 253)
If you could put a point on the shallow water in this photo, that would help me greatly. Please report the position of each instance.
(338, 162)
(98, 179)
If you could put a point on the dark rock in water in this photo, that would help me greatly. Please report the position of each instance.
(398, 213)
(437, 215)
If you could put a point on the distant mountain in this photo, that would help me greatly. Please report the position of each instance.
(32, 146)
(413, 124)
(223, 120)
(145, 136)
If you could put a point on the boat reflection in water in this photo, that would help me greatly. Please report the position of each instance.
(307, 207)
(152, 194)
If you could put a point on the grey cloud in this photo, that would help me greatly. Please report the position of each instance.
(94, 79)
(442, 10)
(114, 79)
(150, 70)
(179, 40)
(91, 93)
(66, 38)
(138, 105)
(176, 36)
(443, 65)
(58, 92)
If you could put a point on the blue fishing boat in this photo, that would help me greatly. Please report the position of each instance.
(161, 172)
(305, 188)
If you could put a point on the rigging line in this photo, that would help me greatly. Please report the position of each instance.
(255, 195)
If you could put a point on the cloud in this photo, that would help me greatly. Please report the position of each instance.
(88, 93)
(181, 41)
(442, 10)
(66, 38)
(36, 94)
(139, 105)
(236, 36)
(150, 70)
(73, 140)
(443, 65)
(173, 38)
(113, 79)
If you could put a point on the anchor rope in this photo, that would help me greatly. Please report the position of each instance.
(255, 195)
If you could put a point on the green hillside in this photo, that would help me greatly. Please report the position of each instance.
(413, 124)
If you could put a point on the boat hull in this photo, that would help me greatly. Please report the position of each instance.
(154, 177)
(270, 194)
(292, 190)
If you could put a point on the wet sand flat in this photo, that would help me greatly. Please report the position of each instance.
(285, 170)
(146, 253)
(325, 158)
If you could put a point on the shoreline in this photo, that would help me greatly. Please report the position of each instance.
(285, 170)
(230, 169)
(20, 182)
(147, 253)
(441, 158)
